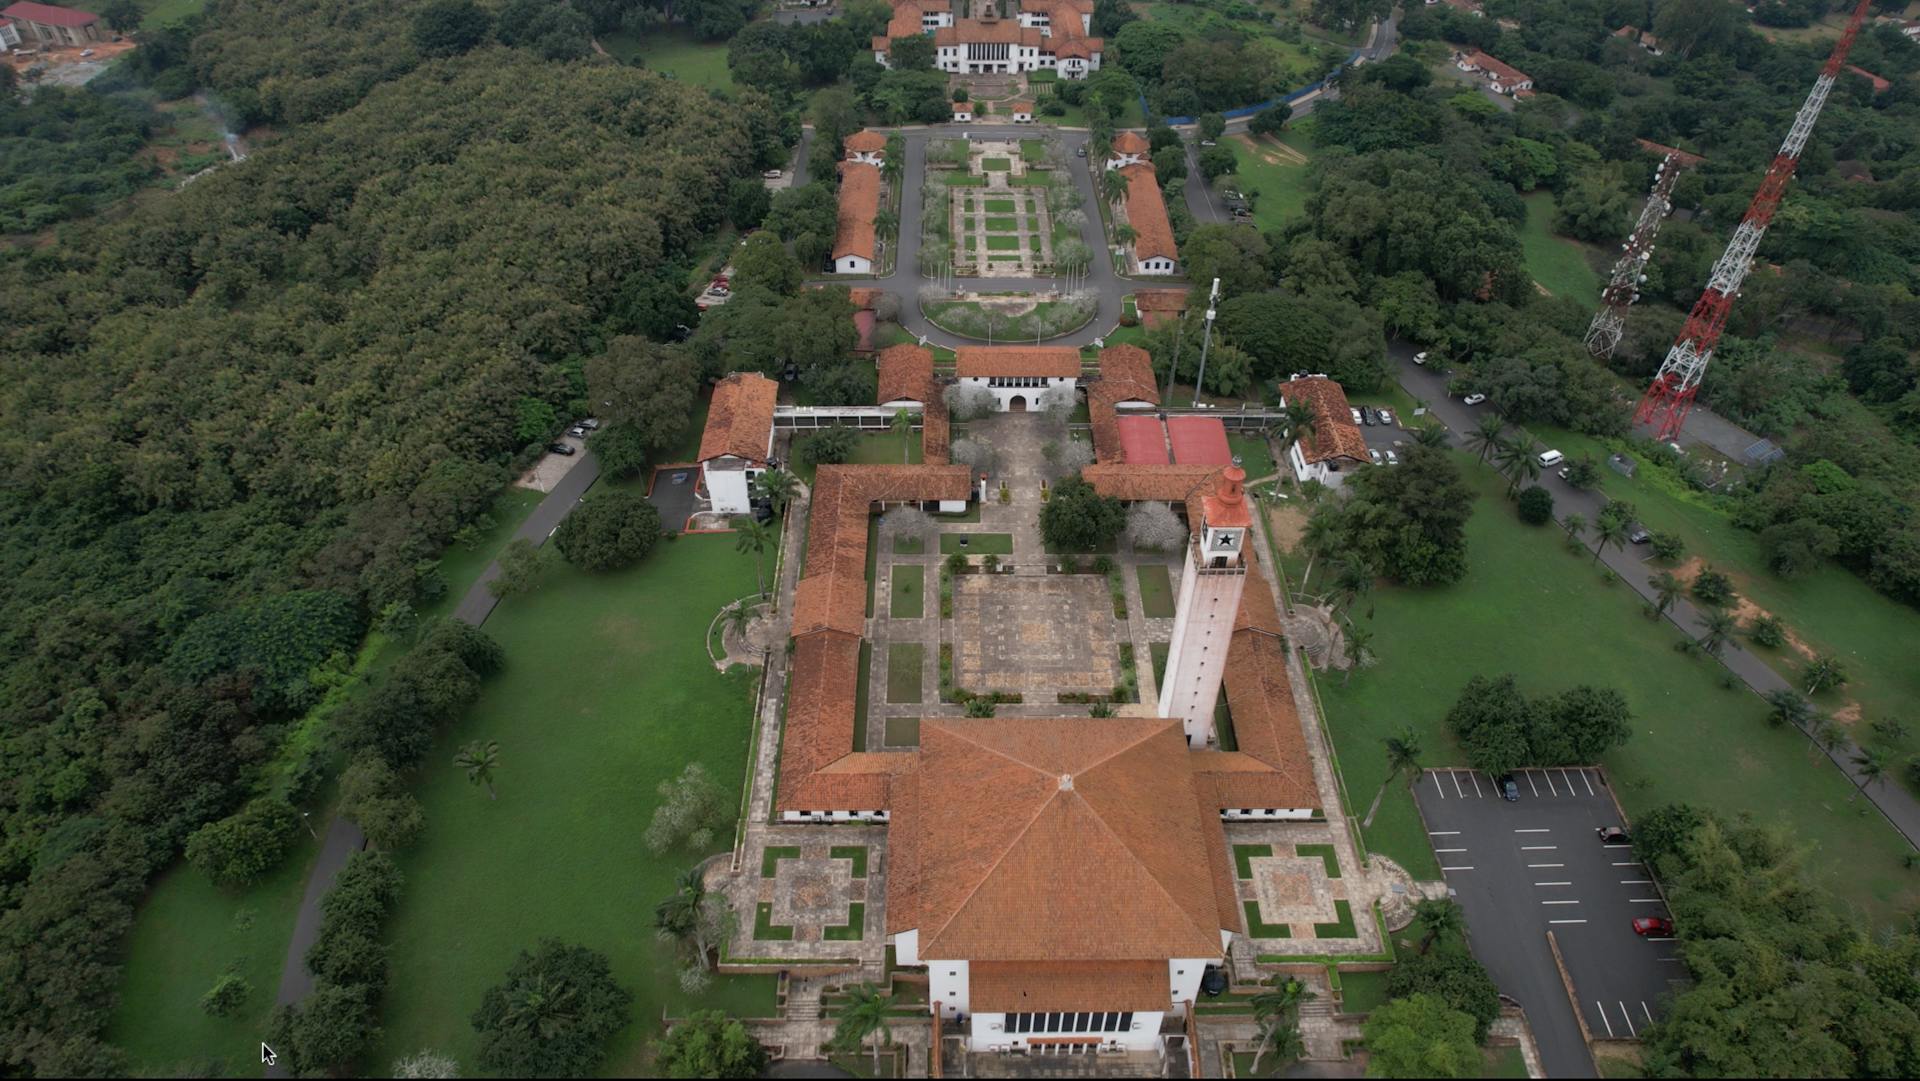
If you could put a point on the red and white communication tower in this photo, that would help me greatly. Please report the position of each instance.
(1671, 395)
(1603, 334)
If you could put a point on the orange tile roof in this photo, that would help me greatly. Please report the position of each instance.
(740, 420)
(1257, 611)
(997, 32)
(1147, 213)
(905, 373)
(1133, 483)
(1129, 364)
(1130, 142)
(1081, 47)
(1067, 839)
(859, 202)
(1019, 106)
(1068, 986)
(988, 361)
(819, 770)
(963, 108)
(865, 142)
(1504, 72)
(1126, 375)
(1160, 300)
(1266, 722)
(1334, 434)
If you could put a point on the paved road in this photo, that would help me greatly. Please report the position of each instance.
(1630, 563)
(344, 838)
(1533, 866)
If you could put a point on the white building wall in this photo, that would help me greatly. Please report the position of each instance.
(947, 984)
(906, 948)
(729, 489)
(1267, 814)
(834, 816)
(1197, 657)
(1183, 976)
(988, 1032)
(1004, 396)
(852, 264)
(1156, 265)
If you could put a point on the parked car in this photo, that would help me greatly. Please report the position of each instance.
(562, 449)
(1377, 460)
(1653, 927)
(1355, 412)
(1474, 399)
(1208, 142)
(577, 432)
(1420, 357)
(1366, 415)
(1639, 535)
(773, 174)
(591, 424)
(1079, 151)
(1213, 981)
(1386, 416)
(1550, 458)
(1613, 835)
(1392, 458)
(1509, 788)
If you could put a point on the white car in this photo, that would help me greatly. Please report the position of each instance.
(773, 174)
(1474, 399)
(1357, 418)
(1377, 460)
(1386, 417)
(1392, 458)
(1420, 357)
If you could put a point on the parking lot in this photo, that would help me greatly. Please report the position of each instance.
(1535, 865)
(674, 492)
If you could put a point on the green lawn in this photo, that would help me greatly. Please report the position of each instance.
(1156, 591)
(1002, 243)
(1529, 607)
(853, 930)
(764, 929)
(904, 661)
(1278, 188)
(853, 854)
(1324, 852)
(1160, 651)
(771, 856)
(860, 694)
(977, 544)
(674, 51)
(999, 206)
(996, 165)
(155, 14)
(1254, 454)
(1243, 856)
(461, 565)
(1341, 927)
(903, 732)
(872, 448)
(189, 932)
(909, 593)
(1033, 149)
(1002, 225)
(607, 692)
(1831, 610)
(1558, 263)
(1361, 992)
(1258, 929)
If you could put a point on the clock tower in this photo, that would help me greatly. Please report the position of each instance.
(1210, 588)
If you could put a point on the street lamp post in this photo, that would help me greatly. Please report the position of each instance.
(1206, 341)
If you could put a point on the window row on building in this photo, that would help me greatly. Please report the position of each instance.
(1025, 1023)
(1021, 381)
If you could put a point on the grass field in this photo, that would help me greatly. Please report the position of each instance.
(1002, 243)
(903, 732)
(1254, 454)
(996, 165)
(607, 692)
(677, 52)
(155, 14)
(1831, 610)
(977, 544)
(872, 448)
(1361, 992)
(904, 661)
(1529, 607)
(461, 565)
(909, 592)
(1156, 591)
(1558, 263)
(1275, 180)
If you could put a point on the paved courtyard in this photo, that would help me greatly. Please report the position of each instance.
(1002, 229)
(1034, 635)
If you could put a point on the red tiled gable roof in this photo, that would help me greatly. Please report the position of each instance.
(1160, 300)
(1019, 106)
(1629, 32)
(1134, 483)
(963, 108)
(863, 297)
(49, 15)
(859, 202)
(1142, 440)
(1503, 72)
(1266, 723)
(1879, 85)
(1334, 434)
(1077, 47)
(819, 770)
(1131, 368)
(1050, 840)
(1130, 142)
(865, 142)
(905, 373)
(740, 420)
(1258, 612)
(1199, 441)
(1040, 361)
(1147, 213)
(1064, 986)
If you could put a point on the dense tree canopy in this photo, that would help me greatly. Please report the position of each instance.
(1408, 523)
(552, 1015)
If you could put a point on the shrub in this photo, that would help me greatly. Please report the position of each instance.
(1536, 505)
(239, 849)
(552, 1015)
(1710, 587)
(1078, 518)
(612, 530)
(1768, 631)
(829, 446)
(226, 995)
(373, 798)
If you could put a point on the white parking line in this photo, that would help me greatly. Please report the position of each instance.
(1559, 902)
(1457, 790)
(1475, 778)
(1616, 846)
(1534, 831)
(1603, 1018)
(1443, 833)
(1645, 1010)
(1630, 863)
(1466, 868)
(1438, 851)
(1675, 960)
(1538, 848)
(1537, 866)
(1668, 939)
(1566, 921)
(1549, 778)
(1553, 883)
(1435, 774)
(1569, 780)
(1588, 783)
(1643, 900)
(1636, 882)
(1627, 1017)
(1529, 777)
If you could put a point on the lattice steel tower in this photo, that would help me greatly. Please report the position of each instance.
(1669, 398)
(1603, 334)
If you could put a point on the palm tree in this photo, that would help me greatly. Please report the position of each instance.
(478, 759)
(1112, 184)
(902, 423)
(1277, 1012)
(1611, 530)
(886, 222)
(1321, 532)
(751, 536)
(1354, 581)
(1442, 917)
(1299, 421)
(1359, 643)
(777, 487)
(738, 618)
(676, 916)
(1871, 767)
(1786, 707)
(1486, 436)
(1823, 672)
(1828, 736)
(541, 1008)
(864, 1015)
(1516, 461)
(1403, 755)
(1718, 628)
(1124, 234)
(1430, 435)
(1666, 591)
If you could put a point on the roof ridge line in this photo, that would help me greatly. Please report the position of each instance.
(1128, 849)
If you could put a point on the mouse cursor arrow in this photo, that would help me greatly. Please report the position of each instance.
(267, 1057)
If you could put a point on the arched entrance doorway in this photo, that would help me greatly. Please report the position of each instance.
(1017, 404)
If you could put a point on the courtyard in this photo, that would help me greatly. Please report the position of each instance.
(1034, 636)
(1000, 222)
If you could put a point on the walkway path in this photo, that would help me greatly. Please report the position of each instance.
(343, 837)
(1894, 801)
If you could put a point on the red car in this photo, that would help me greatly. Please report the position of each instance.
(1653, 927)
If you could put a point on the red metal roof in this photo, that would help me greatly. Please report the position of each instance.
(49, 15)
(1141, 442)
(1199, 441)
